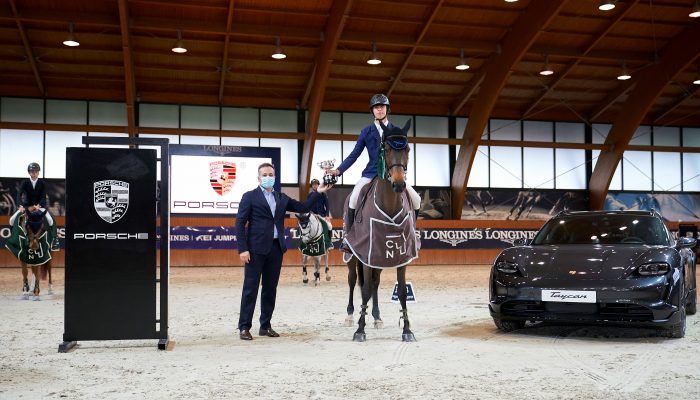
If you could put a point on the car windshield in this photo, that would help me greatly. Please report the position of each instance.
(603, 229)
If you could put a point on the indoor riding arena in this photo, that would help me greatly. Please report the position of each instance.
(465, 199)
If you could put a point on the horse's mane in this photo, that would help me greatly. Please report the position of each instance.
(35, 220)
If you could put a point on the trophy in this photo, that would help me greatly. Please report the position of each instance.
(326, 166)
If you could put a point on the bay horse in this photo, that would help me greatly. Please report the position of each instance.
(383, 233)
(315, 233)
(30, 241)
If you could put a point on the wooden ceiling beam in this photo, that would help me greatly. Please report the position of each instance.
(129, 79)
(524, 32)
(224, 61)
(339, 12)
(688, 93)
(560, 75)
(421, 35)
(27, 49)
(678, 54)
(611, 99)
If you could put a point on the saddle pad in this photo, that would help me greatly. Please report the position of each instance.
(382, 241)
(319, 246)
(18, 244)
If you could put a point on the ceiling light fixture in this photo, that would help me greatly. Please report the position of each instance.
(606, 5)
(696, 81)
(179, 47)
(463, 66)
(71, 40)
(373, 59)
(278, 54)
(511, 1)
(546, 69)
(624, 75)
(695, 12)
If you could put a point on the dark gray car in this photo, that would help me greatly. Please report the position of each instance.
(597, 266)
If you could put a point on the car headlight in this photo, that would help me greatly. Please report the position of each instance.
(657, 268)
(507, 267)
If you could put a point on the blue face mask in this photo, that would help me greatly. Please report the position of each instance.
(267, 182)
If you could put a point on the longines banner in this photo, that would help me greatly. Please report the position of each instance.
(224, 238)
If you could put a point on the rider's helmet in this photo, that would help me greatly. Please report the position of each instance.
(33, 167)
(378, 99)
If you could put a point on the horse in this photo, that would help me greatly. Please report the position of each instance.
(30, 241)
(383, 233)
(315, 233)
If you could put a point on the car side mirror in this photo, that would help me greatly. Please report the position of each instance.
(685, 242)
(520, 242)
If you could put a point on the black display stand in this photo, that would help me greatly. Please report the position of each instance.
(112, 281)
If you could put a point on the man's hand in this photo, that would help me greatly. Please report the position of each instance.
(245, 257)
(324, 188)
(333, 172)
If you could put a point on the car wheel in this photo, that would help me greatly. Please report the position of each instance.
(677, 331)
(508, 326)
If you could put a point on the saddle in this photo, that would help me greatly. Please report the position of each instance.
(379, 240)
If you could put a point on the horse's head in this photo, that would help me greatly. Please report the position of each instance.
(34, 226)
(304, 220)
(395, 141)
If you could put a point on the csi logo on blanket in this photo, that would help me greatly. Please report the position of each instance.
(111, 199)
(410, 294)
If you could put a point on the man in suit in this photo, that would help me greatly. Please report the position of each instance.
(260, 237)
(32, 193)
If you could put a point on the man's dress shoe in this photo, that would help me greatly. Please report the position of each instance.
(268, 332)
(245, 335)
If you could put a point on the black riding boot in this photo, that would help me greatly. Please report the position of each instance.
(347, 224)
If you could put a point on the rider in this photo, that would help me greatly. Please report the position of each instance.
(32, 197)
(370, 137)
(320, 207)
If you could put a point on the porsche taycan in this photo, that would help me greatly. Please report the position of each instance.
(597, 267)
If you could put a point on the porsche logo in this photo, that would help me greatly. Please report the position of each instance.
(111, 199)
(222, 175)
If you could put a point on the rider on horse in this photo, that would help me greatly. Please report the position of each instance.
(370, 137)
(32, 197)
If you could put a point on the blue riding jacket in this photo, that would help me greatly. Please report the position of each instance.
(369, 138)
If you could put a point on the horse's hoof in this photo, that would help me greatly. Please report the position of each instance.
(359, 337)
(349, 321)
(328, 278)
(25, 296)
(36, 298)
(306, 281)
(50, 290)
(317, 281)
(408, 337)
(378, 324)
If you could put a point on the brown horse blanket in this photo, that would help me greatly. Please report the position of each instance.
(379, 240)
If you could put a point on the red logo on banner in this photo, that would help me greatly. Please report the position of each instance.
(222, 175)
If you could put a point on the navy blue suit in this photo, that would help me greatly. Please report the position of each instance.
(254, 233)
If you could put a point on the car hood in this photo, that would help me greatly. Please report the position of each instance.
(584, 261)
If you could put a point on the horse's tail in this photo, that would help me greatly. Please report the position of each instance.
(44, 271)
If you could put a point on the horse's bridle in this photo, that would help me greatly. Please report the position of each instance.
(398, 143)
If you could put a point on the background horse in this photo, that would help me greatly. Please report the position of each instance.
(30, 241)
(316, 242)
(383, 233)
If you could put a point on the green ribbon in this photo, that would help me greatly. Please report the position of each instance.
(380, 161)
